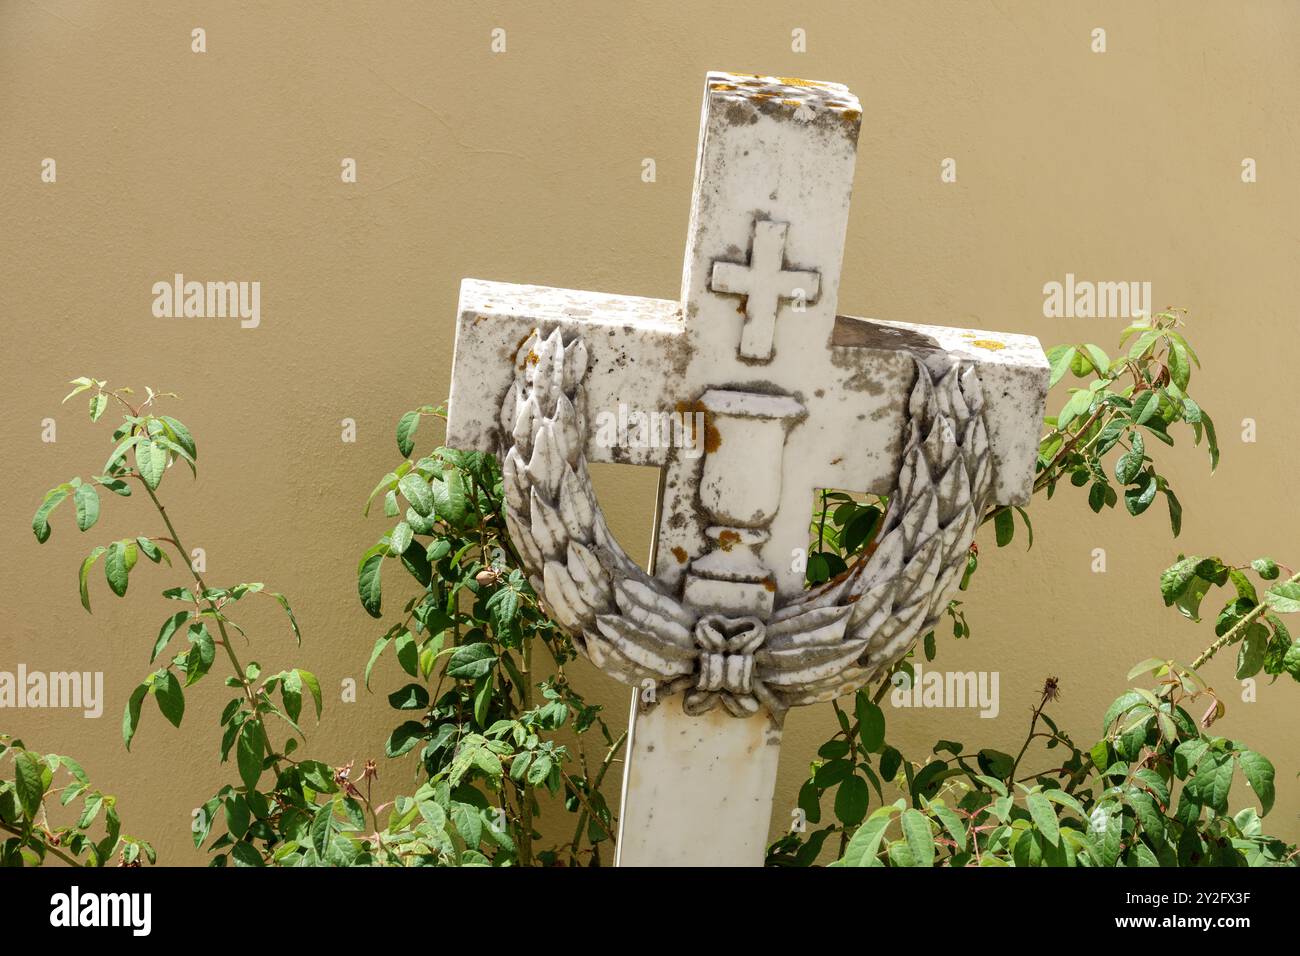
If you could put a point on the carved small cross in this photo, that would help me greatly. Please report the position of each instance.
(723, 638)
(764, 283)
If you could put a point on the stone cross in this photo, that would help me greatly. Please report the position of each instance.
(721, 638)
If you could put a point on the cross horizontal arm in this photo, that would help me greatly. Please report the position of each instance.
(1013, 373)
(636, 347)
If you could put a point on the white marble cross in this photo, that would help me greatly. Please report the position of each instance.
(722, 639)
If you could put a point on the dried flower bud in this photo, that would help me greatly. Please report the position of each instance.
(1051, 690)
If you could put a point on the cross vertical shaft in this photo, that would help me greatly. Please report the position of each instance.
(774, 177)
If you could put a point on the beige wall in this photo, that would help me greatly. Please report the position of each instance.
(526, 166)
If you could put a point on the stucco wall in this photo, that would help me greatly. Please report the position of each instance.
(526, 166)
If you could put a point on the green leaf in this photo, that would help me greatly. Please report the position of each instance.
(1059, 358)
(1143, 343)
(1266, 568)
(85, 570)
(171, 699)
(369, 585)
(1211, 782)
(871, 722)
(283, 601)
(1250, 655)
(951, 822)
(1122, 705)
(245, 854)
(1175, 579)
(378, 649)
(408, 654)
(250, 752)
(400, 539)
(312, 684)
(471, 661)
(131, 717)
(1148, 666)
(1004, 526)
(450, 498)
(404, 738)
(41, 521)
(1130, 463)
(115, 485)
(1044, 816)
(415, 489)
(29, 782)
(87, 502)
(82, 384)
(121, 558)
(181, 435)
(1100, 360)
(410, 697)
(150, 461)
(322, 829)
(865, 843)
(1291, 660)
(1180, 369)
(117, 458)
(1284, 598)
(920, 840)
(1187, 754)
(406, 427)
(1097, 496)
(151, 550)
(291, 694)
(165, 633)
(503, 609)
(1175, 511)
(1061, 798)
(1144, 406)
(1259, 774)
(203, 652)
(386, 483)
(851, 799)
(1138, 498)
(1211, 440)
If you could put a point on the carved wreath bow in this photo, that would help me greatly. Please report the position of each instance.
(726, 664)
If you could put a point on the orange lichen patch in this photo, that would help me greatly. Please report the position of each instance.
(852, 116)
(680, 554)
(763, 96)
(990, 344)
(769, 584)
(722, 87)
(532, 358)
(794, 103)
(712, 437)
(728, 539)
(795, 81)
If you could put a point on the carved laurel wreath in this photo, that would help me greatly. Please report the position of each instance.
(819, 645)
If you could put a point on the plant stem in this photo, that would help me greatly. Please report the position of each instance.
(1033, 725)
(1231, 635)
(240, 673)
(526, 792)
(49, 848)
(595, 785)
